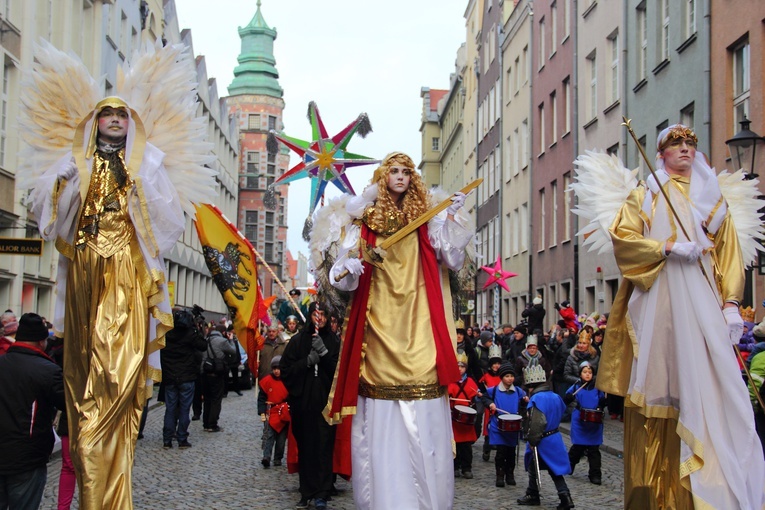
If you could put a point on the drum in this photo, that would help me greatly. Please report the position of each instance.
(464, 414)
(509, 422)
(591, 415)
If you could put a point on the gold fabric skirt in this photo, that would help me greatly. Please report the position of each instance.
(105, 370)
(652, 463)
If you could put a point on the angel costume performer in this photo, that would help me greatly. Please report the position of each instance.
(689, 438)
(112, 211)
(398, 354)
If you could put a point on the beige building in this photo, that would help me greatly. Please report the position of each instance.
(602, 101)
(430, 134)
(516, 162)
(473, 19)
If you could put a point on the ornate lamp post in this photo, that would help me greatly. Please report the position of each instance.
(744, 149)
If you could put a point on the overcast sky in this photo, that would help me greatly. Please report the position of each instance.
(350, 56)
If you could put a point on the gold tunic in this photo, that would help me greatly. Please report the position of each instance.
(105, 364)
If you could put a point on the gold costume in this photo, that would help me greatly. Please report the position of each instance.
(654, 477)
(105, 365)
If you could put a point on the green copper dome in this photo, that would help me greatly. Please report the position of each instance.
(256, 72)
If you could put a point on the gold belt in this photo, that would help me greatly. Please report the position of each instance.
(401, 392)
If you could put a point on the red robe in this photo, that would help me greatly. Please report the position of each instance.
(489, 380)
(279, 414)
(464, 390)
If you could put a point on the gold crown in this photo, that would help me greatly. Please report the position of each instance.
(459, 324)
(462, 358)
(747, 313)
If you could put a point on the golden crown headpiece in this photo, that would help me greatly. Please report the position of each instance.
(462, 358)
(676, 133)
(747, 313)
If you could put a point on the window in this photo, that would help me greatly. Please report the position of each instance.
(524, 227)
(491, 174)
(567, 105)
(272, 157)
(269, 233)
(518, 71)
(613, 150)
(541, 56)
(497, 171)
(517, 160)
(689, 18)
(638, 157)
(566, 19)
(554, 208)
(269, 252)
(514, 233)
(271, 122)
(542, 220)
(270, 169)
(687, 115)
(252, 169)
(592, 96)
(567, 207)
(554, 117)
(269, 218)
(740, 84)
(525, 143)
(542, 128)
(435, 143)
(511, 155)
(510, 77)
(4, 113)
(663, 30)
(525, 64)
(251, 226)
(253, 121)
(553, 27)
(613, 77)
(642, 41)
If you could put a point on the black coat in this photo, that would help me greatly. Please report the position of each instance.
(32, 389)
(535, 316)
(180, 362)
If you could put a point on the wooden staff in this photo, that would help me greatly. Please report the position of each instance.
(278, 282)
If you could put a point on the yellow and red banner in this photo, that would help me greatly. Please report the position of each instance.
(231, 260)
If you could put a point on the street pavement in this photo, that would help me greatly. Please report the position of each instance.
(223, 471)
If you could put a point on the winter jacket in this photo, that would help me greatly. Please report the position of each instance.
(219, 345)
(535, 315)
(571, 372)
(569, 317)
(178, 357)
(33, 388)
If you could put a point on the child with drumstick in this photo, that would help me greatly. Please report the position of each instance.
(461, 395)
(487, 380)
(586, 421)
(504, 424)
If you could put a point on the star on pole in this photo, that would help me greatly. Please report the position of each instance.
(497, 274)
(325, 159)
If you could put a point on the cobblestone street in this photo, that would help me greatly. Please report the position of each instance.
(223, 471)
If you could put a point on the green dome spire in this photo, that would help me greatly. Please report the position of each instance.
(256, 72)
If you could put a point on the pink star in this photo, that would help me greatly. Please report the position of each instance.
(497, 274)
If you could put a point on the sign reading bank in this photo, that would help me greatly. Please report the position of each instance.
(20, 246)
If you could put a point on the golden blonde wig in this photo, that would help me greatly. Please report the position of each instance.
(385, 217)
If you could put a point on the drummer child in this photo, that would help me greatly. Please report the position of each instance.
(489, 379)
(586, 435)
(503, 399)
(463, 393)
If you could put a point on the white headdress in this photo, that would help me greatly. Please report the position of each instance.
(159, 84)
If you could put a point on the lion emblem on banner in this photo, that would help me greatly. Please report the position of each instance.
(224, 266)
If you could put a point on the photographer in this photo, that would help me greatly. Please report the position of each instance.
(179, 373)
(534, 314)
(214, 375)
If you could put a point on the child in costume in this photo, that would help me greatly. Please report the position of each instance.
(505, 396)
(544, 447)
(586, 437)
(274, 413)
(463, 393)
(489, 379)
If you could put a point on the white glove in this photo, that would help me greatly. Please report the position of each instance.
(690, 252)
(735, 323)
(354, 266)
(68, 172)
(458, 200)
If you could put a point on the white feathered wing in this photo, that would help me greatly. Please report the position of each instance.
(160, 85)
(601, 185)
(744, 204)
(56, 94)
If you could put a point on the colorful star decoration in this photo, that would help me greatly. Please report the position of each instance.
(325, 159)
(497, 274)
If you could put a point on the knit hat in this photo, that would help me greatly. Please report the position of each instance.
(506, 368)
(537, 300)
(758, 330)
(275, 361)
(565, 303)
(31, 328)
(531, 340)
(583, 365)
(486, 336)
(10, 328)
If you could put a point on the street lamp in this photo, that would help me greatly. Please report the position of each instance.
(744, 149)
